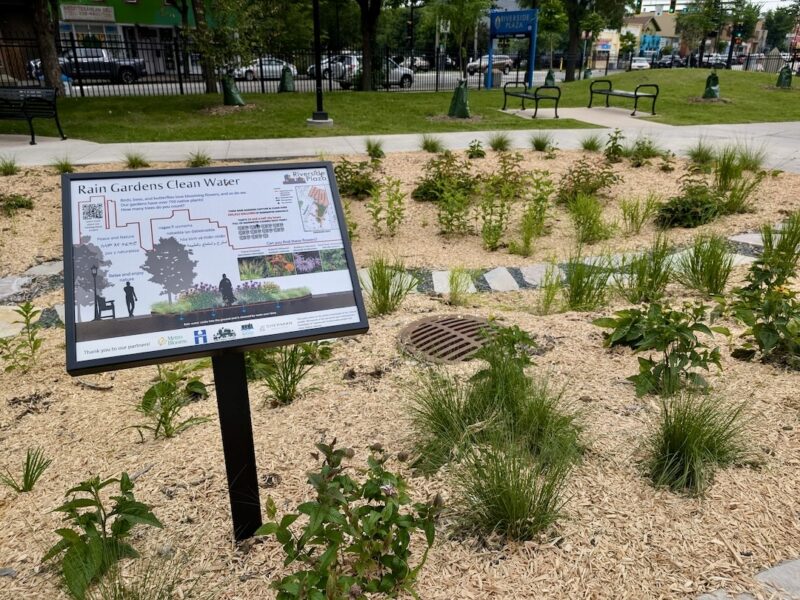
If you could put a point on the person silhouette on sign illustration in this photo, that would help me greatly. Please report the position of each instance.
(130, 297)
(226, 289)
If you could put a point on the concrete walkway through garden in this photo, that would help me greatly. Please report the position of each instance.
(781, 141)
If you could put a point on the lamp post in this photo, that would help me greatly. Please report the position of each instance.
(94, 277)
(319, 116)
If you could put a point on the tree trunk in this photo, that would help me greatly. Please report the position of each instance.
(572, 48)
(370, 12)
(462, 54)
(208, 66)
(46, 38)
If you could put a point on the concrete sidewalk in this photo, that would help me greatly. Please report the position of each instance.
(780, 140)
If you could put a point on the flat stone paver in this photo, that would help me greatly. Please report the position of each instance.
(742, 259)
(59, 308)
(8, 328)
(534, 274)
(751, 239)
(500, 280)
(12, 285)
(441, 282)
(54, 267)
(725, 595)
(784, 577)
(366, 284)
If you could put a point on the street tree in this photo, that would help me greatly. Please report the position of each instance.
(552, 22)
(778, 23)
(170, 266)
(462, 14)
(577, 13)
(85, 256)
(45, 20)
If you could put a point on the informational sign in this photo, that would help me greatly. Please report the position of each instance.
(172, 264)
(512, 23)
(84, 12)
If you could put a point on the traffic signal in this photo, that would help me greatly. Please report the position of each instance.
(672, 5)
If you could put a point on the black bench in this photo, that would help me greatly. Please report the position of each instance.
(606, 90)
(543, 92)
(27, 104)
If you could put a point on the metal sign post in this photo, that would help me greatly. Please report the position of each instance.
(513, 24)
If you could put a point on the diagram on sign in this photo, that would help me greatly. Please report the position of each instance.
(315, 208)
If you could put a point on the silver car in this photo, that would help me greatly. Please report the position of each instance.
(499, 61)
(267, 67)
(399, 76)
(335, 67)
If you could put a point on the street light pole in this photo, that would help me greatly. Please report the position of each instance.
(94, 277)
(319, 116)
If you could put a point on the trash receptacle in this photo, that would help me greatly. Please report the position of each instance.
(497, 78)
(287, 81)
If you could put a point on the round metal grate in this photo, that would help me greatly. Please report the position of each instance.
(444, 339)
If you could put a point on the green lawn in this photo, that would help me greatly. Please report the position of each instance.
(749, 97)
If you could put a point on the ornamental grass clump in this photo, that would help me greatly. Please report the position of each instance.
(284, 369)
(374, 148)
(432, 144)
(386, 285)
(592, 143)
(692, 437)
(586, 282)
(701, 155)
(635, 213)
(643, 277)
(500, 142)
(706, 265)
(34, 467)
(540, 142)
(586, 213)
(8, 166)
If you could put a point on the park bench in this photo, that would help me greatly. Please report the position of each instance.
(605, 89)
(27, 104)
(104, 305)
(543, 92)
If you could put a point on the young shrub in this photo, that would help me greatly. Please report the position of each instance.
(694, 435)
(614, 151)
(443, 172)
(672, 334)
(752, 159)
(432, 144)
(644, 277)
(19, 353)
(642, 150)
(136, 160)
(360, 535)
(198, 159)
(387, 207)
(697, 205)
(667, 162)
(635, 213)
(727, 168)
(8, 166)
(701, 155)
(584, 178)
(706, 265)
(586, 213)
(550, 289)
(586, 283)
(534, 215)
(500, 142)
(374, 149)
(495, 207)
(10, 204)
(287, 366)
(357, 180)
(476, 150)
(350, 220)
(63, 166)
(95, 536)
(387, 285)
(541, 141)
(34, 468)
(452, 211)
(459, 282)
(592, 143)
(500, 490)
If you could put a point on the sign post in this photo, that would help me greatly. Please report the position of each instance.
(513, 24)
(177, 264)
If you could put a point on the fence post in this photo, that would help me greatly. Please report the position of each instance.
(386, 62)
(436, 57)
(179, 62)
(77, 66)
(330, 71)
(261, 72)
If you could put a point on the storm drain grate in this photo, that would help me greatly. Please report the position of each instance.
(444, 339)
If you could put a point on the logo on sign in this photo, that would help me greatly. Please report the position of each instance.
(200, 336)
(248, 329)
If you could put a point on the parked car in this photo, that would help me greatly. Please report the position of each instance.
(670, 62)
(416, 63)
(399, 76)
(336, 67)
(94, 63)
(499, 61)
(269, 68)
(639, 62)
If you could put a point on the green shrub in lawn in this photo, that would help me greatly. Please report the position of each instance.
(432, 144)
(356, 179)
(541, 141)
(644, 277)
(586, 213)
(387, 285)
(476, 150)
(706, 265)
(701, 155)
(592, 143)
(10, 204)
(8, 166)
(586, 282)
(586, 178)
(635, 213)
(374, 149)
(693, 436)
(697, 205)
(136, 160)
(34, 467)
(671, 337)
(534, 215)
(442, 172)
(500, 142)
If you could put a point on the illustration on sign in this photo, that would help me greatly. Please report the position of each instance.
(166, 261)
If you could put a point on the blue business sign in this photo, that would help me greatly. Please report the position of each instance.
(512, 23)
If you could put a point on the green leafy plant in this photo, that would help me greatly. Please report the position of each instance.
(644, 277)
(452, 211)
(8, 166)
(691, 438)
(432, 144)
(356, 179)
(10, 204)
(706, 265)
(355, 538)
(641, 151)
(500, 142)
(374, 149)
(534, 215)
(550, 289)
(494, 211)
(701, 155)
(352, 224)
(541, 141)
(387, 207)
(476, 150)
(614, 151)
(19, 352)
(586, 282)
(284, 369)
(444, 172)
(34, 468)
(635, 213)
(198, 158)
(592, 143)
(63, 166)
(697, 205)
(738, 198)
(673, 334)
(136, 160)
(459, 282)
(667, 162)
(586, 213)
(387, 284)
(584, 178)
(96, 535)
